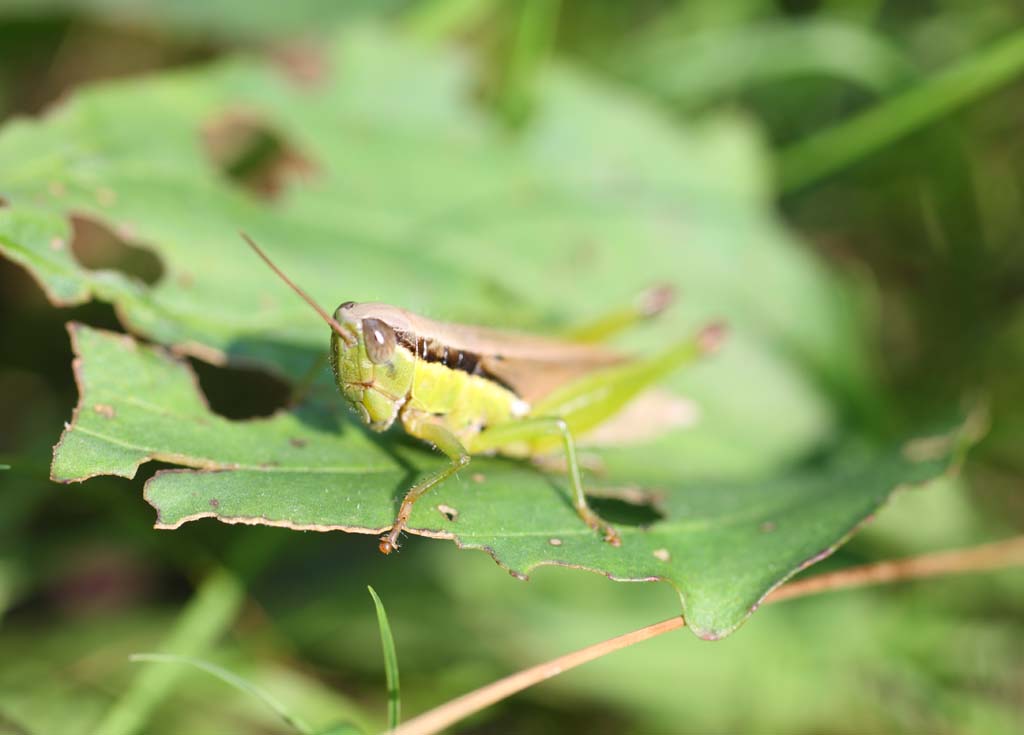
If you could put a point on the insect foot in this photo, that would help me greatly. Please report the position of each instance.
(608, 532)
(612, 536)
(710, 338)
(387, 544)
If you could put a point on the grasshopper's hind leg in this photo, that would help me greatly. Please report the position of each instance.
(589, 402)
(646, 305)
(447, 442)
(534, 428)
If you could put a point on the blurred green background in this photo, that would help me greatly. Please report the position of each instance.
(908, 187)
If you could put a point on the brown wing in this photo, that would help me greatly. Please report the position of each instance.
(532, 379)
(531, 366)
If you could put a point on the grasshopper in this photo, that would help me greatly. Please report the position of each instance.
(471, 390)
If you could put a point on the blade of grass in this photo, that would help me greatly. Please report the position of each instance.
(205, 618)
(438, 19)
(695, 68)
(531, 46)
(978, 558)
(835, 148)
(228, 678)
(387, 642)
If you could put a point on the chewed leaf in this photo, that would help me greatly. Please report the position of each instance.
(723, 545)
(418, 201)
(386, 183)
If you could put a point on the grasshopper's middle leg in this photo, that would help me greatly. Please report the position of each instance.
(533, 428)
(448, 443)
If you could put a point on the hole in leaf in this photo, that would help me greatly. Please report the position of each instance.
(241, 393)
(450, 514)
(97, 247)
(632, 508)
(253, 155)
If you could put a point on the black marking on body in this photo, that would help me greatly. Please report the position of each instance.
(432, 350)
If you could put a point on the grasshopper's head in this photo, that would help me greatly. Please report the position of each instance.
(370, 353)
(373, 368)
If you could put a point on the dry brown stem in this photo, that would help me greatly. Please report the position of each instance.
(978, 558)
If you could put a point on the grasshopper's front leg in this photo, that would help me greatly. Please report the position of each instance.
(531, 429)
(433, 432)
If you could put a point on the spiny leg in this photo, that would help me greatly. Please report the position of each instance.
(591, 400)
(453, 449)
(533, 428)
(646, 305)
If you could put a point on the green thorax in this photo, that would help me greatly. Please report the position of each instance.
(409, 387)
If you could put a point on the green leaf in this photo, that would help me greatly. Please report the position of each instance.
(722, 544)
(414, 198)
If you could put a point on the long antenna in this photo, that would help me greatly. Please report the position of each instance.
(338, 329)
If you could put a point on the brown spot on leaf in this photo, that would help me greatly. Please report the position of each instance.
(767, 527)
(662, 555)
(555, 541)
(297, 443)
(57, 244)
(214, 503)
(104, 410)
(478, 477)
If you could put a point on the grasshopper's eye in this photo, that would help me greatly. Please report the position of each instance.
(379, 339)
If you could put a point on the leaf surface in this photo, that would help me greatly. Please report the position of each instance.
(409, 195)
(721, 544)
